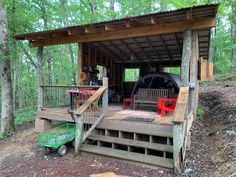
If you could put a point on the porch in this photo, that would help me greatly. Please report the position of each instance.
(139, 135)
(147, 142)
(147, 43)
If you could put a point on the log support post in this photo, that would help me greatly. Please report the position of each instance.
(78, 133)
(80, 62)
(178, 136)
(177, 146)
(186, 55)
(105, 96)
(193, 94)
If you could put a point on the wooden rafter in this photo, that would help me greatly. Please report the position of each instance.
(151, 45)
(123, 33)
(102, 48)
(165, 47)
(155, 20)
(109, 51)
(130, 49)
(189, 15)
(156, 60)
(177, 42)
(118, 49)
(131, 24)
(90, 30)
(138, 45)
(110, 27)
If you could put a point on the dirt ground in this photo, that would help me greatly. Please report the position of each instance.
(213, 147)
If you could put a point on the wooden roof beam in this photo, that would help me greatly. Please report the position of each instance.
(110, 27)
(132, 24)
(155, 20)
(90, 29)
(118, 49)
(109, 51)
(189, 15)
(103, 52)
(74, 32)
(165, 47)
(129, 48)
(151, 45)
(138, 45)
(177, 43)
(131, 32)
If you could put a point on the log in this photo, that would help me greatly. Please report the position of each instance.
(181, 109)
(194, 73)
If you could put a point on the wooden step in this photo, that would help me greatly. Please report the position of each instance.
(137, 127)
(132, 156)
(130, 142)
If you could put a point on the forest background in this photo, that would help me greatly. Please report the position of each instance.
(60, 62)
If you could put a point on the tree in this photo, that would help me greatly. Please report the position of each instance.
(7, 121)
(233, 34)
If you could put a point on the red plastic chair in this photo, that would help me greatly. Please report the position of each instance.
(166, 105)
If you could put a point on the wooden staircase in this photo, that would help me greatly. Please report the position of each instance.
(137, 146)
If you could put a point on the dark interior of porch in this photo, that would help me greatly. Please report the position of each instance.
(125, 61)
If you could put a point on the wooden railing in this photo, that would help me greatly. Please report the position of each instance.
(54, 96)
(93, 111)
(182, 120)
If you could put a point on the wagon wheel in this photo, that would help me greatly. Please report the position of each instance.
(62, 150)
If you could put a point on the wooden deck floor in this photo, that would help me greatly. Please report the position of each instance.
(115, 112)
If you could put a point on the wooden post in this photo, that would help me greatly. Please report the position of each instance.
(89, 55)
(40, 76)
(193, 98)
(186, 54)
(78, 133)
(105, 96)
(80, 61)
(178, 136)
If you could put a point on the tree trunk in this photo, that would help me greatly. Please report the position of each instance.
(7, 120)
(40, 76)
(66, 23)
(14, 55)
(72, 63)
(49, 62)
(233, 35)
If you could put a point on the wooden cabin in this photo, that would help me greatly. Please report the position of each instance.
(148, 43)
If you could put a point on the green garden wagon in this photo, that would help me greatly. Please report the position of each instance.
(57, 138)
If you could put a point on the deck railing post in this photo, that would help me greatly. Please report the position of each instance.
(105, 96)
(178, 136)
(177, 144)
(78, 133)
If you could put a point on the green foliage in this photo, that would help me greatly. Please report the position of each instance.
(5, 135)
(200, 111)
(132, 74)
(226, 77)
(25, 115)
(207, 83)
(173, 70)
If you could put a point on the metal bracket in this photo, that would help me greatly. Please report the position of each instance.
(192, 85)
